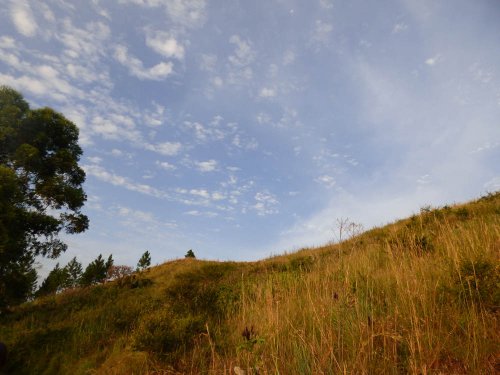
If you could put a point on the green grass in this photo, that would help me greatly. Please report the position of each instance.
(419, 296)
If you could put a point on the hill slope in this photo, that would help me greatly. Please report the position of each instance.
(419, 296)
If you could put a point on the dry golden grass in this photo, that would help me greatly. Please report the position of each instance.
(419, 296)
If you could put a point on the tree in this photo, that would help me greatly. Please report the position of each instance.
(41, 190)
(74, 269)
(119, 272)
(190, 254)
(144, 261)
(56, 281)
(97, 271)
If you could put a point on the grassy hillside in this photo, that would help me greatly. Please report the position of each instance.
(418, 296)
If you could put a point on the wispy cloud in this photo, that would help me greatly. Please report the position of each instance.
(327, 181)
(209, 214)
(165, 165)
(206, 166)
(165, 44)
(136, 68)
(23, 19)
(265, 204)
(165, 148)
(102, 174)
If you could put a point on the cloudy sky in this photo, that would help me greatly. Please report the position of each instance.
(242, 129)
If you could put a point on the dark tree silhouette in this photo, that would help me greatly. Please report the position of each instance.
(40, 190)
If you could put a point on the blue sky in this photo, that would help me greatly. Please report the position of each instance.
(242, 129)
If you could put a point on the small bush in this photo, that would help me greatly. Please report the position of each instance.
(133, 281)
(479, 282)
(164, 333)
(301, 264)
(462, 213)
(204, 291)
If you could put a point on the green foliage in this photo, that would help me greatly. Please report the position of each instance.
(462, 213)
(119, 272)
(97, 271)
(301, 264)
(56, 281)
(40, 189)
(144, 261)
(19, 282)
(190, 254)
(133, 282)
(74, 270)
(478, 281)
(204, 291)
(250, 340)
(164, 332)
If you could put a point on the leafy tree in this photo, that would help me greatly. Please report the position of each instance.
(119, 272)
(97, 271)
(190, 254)
(144, 261)
(22, 281)
(74, 269)
(40, 190)
(56, 281)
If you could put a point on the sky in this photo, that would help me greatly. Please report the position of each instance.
(244, 129)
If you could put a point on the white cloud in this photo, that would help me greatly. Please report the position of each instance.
(94, 159)
(424, 179)
(240, 61)
(399, 27)
(7, 42)
(136, 68)
(135, 214)
(321, 32)
(165, 165)
(243, 53)
(267, 92)
(115, 127)
(289, 57)
(202, 133)
(186, 13)
(327, 4)
(265, 203)
(326, 180)
(200, 193)
(23, 19)
(218, 196)
(208, 62)
(493, 184)
(24, 83)
(165, 44)
(431, 61)
(137, 218)
(208, 214)
(217, 81)
(84, 45)
(165, 148)
(102, 174)
(206, 166)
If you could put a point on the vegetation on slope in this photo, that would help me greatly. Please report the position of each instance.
(421, 295)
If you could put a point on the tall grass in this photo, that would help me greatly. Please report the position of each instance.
(420, 296)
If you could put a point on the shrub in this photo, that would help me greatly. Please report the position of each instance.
(478, 281)
(190, 254)
(164, 333)
(301, 264)
(203, 291)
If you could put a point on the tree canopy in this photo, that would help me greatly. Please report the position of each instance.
(144, 262)
(41, 190)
